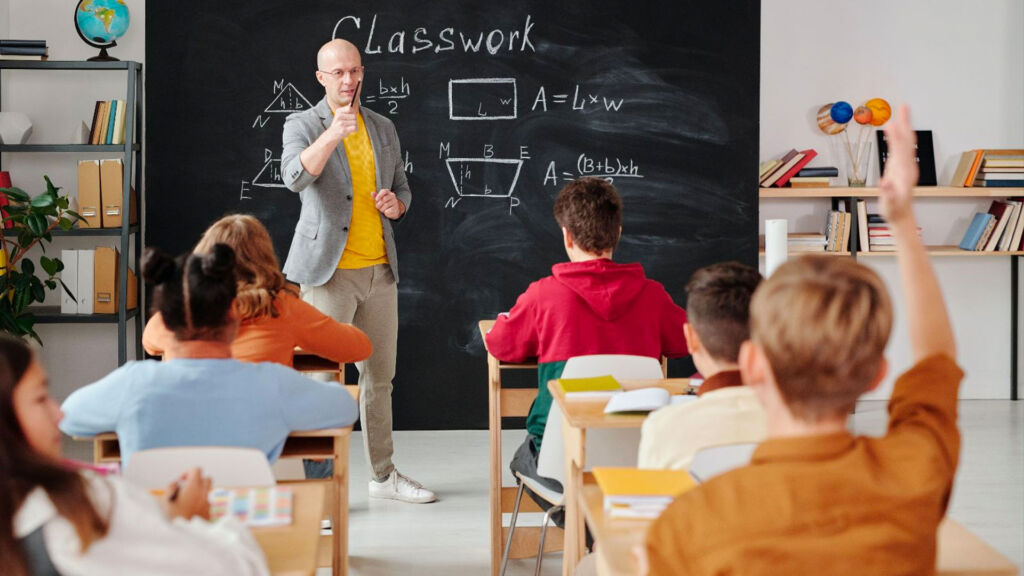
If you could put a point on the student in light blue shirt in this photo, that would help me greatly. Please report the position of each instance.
(203, 397)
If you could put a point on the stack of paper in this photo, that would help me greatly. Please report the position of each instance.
(640, 493)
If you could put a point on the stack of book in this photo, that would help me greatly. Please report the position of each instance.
(1000, 229)
(837, 231)
(990, 168)
(23, 50)
(816, 177)
(880, 237)
(108, 122)
(778, 172)
(640, 493)
(806, 242)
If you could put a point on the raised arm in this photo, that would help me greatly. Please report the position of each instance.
(302, 157)
(928, 320)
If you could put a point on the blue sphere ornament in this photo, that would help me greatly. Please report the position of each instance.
(841, 112)
(100, 23)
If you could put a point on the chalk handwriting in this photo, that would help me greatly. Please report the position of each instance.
(605, 167)
(420, 40)
(483, 99)
(580, 101)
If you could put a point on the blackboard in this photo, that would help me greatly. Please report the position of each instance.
(661, 97)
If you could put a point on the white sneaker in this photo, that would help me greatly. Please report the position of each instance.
(400, 487)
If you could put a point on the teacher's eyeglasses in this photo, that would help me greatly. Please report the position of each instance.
(356, 73)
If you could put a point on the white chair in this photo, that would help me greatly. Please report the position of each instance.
(605, 447)
(714, 460)
(156, 468)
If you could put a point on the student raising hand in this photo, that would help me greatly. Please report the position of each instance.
(897, 185)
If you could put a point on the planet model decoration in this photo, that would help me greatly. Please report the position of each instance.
(880, 111)
(826, 123)
(833, 119)
(841, 112)
(862, 115)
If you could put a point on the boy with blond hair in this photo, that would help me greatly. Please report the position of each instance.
(816, 499)
(726, 411)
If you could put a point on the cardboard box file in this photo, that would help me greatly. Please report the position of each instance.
(89, 194)
(112, 194)
(105, 299)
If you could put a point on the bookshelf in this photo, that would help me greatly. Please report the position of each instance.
(851, 195)
(129, 234)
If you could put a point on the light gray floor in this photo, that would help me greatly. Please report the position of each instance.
(450, 537)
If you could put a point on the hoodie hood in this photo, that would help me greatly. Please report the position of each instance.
(607, 287)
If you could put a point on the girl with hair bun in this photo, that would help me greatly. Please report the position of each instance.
(57, 519)
(274, 320)
(201, 396)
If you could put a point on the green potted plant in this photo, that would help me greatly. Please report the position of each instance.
(32, 220)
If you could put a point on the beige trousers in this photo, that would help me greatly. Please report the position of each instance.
(368, 299)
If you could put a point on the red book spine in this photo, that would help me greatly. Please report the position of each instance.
(809, 155)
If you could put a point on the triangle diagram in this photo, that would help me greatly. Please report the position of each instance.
(288, 100)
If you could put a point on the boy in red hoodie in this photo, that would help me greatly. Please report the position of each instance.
(589, 305)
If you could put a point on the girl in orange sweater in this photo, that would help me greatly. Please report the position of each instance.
(274, 319)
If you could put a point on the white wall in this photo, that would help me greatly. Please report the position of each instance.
(56, 101)
(960, 66)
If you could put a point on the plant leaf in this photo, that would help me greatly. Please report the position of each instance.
(43, 201)
(27, 267)
(66, 224)
(36, 224)
(38, 292)
(15, 194)
(48, 264)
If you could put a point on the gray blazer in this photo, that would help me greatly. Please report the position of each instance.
(322, 229)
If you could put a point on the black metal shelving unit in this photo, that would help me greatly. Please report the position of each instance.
(131, 152)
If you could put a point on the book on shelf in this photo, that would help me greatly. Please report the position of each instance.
(640, 493)
(801, 160)
(1007, 164)
(766, 167)
(23, 51)
(818, 171)
(810, 182)
(862, 226)
(924, 152)
(24, 57)
(15, 42)
(779, 163)
(999, 183)
(119, 123)
(996, 158)
(788, 160)
(108, 133)
(963, 168)
(1002, 212)
(991, 176)
(806, 242)
(990, 225)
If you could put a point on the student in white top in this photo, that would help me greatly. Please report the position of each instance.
(726, 412)
(56, 519)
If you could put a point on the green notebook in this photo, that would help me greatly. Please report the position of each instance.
(593, 384)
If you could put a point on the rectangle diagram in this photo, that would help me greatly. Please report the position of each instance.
(484, 177)
(483, 99)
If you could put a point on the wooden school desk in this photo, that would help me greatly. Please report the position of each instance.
(292, 550)
(507, 403)
(960, 553)
(327, 443)
(579, 415)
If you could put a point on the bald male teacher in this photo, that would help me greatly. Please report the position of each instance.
(346, 165)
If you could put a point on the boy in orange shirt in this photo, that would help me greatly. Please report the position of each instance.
(816, 499)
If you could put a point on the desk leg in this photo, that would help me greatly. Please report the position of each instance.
(494, 425)
(339, 557)
(575, 461)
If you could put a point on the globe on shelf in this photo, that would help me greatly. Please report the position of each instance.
(100, 23)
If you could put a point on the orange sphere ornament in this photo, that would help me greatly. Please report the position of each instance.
(880, 111)
(863, 115)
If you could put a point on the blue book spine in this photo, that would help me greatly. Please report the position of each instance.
(110, 123)
(975, 230)
(1003, 183)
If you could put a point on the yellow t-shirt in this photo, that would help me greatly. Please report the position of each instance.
(365, 245)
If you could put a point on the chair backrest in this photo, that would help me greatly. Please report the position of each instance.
(604, 447)
(714, 460)
(156, 468)
(620, 366)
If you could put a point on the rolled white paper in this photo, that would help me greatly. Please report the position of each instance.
(776, 244)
